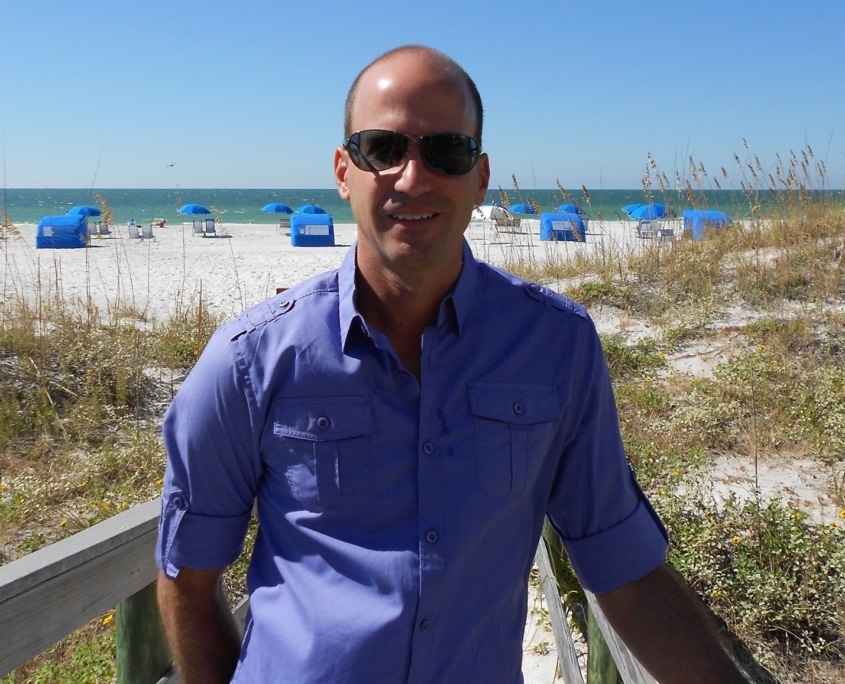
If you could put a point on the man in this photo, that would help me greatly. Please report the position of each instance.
(404, 424)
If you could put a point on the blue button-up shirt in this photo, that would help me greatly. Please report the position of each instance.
(398, 518)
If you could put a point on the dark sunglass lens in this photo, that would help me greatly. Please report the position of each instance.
(450, 153)
(382, 149)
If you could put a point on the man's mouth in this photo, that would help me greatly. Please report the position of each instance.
(411, 217)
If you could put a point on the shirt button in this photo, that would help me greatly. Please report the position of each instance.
(424, 625)
(431, 537)
(518, 408)
(428, 448)
(323, 423)
(178, 502)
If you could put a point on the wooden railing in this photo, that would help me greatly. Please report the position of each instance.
(54, 591)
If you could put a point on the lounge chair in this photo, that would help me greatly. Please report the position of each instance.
(147, 232)
(649, 229)
(284, 226)
(501, 223)
(198, 228)
(210, 228)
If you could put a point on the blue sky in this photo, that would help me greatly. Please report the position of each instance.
(105, 93)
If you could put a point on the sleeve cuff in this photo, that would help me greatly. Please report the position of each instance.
(199, 542)
(621, 554)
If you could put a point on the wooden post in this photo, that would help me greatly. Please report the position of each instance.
(601, 669)
(143, 655)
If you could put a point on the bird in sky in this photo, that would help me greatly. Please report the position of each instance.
(169, 165)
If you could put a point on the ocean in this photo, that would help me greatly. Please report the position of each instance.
(244, 205)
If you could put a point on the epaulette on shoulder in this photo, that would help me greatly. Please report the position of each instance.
(551, 298)
(260, 314)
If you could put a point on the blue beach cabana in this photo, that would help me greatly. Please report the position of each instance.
(562, 227)
(698, 221)
(62, 232)
(311, 230)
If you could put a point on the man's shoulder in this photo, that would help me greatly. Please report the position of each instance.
(304, 298)
(527, 292)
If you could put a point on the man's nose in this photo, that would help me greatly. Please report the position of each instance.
(414, 176)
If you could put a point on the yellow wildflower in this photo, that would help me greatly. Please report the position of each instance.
(736, 539)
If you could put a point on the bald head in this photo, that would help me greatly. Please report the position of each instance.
(434, 58)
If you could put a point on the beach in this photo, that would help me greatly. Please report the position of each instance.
(244, 264)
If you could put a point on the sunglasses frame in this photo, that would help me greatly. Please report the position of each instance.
(424, 142)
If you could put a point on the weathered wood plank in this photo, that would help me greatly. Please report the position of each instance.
(143, 654)
(629, 667)
(50, 593)
(560, 627)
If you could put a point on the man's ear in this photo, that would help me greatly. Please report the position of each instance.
(341, 168)
(483, 167)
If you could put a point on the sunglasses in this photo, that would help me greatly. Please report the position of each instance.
(450, 154)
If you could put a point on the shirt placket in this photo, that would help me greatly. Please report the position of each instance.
(433, 535)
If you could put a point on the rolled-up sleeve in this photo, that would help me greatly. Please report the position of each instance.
(212, 468)
(622, 553)
(607, 525)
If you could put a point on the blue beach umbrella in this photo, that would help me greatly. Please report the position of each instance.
(650, 211)
(84, 210)
(310, 209)
(277, 208)
(522, 209)
(569, 209)
(628, 208)
(193, 209)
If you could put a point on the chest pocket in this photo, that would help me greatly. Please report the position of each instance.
(514, 425)
(322, 449)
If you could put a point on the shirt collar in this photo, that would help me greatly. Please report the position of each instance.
(457, 303)
(454, 307)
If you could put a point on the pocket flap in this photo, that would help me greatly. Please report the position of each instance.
(323, 419)
(519, 404)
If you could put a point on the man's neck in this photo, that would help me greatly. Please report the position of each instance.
(401, 310)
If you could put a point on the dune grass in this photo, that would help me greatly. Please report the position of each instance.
(82, 392)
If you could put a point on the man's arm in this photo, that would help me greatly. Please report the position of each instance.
(663, 625)
(199, 625)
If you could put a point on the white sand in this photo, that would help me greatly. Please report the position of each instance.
(241, 267)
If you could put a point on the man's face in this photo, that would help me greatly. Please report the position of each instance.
(410, 218)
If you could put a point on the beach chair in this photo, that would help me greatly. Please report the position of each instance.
(147, 232)
(502, 224)
(647, 229)
(653, 229)
(198, 228)
(134, 230)
(284, 226)
(210, 228)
